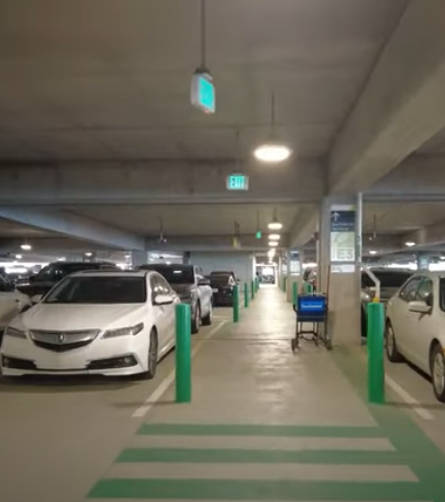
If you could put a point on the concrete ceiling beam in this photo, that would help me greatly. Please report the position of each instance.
(157, 182)
(74, 226)
(401, 106)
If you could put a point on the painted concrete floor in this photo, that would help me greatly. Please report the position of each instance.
(264, 424)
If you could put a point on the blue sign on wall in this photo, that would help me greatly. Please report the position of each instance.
(342, 221)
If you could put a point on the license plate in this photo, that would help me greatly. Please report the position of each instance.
(215, 290)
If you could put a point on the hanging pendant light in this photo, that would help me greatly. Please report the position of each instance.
(275, 224)
(273, 150)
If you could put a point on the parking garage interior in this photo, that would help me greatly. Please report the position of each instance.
(177, 179)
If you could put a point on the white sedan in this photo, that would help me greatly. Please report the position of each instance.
(415, 326)
(109, 323)
(11, 302)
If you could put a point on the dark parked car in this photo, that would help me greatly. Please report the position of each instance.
(50, 275)
(390, 282)
(191, 287)
(222, 285)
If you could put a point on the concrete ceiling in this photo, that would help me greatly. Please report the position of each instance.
(189, 219)
(108, 79)
(13, 230)
(400, 218)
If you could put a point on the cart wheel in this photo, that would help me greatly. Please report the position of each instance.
(293, 344)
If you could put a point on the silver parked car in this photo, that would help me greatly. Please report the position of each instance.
(191, 287)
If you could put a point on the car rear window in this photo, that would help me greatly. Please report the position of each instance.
(387, 279)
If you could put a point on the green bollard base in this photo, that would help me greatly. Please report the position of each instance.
(375, 342)
(183, 377)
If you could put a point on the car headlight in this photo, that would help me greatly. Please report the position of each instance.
(129, 330)
(16, 333)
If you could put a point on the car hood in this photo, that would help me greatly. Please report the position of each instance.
(46, 316)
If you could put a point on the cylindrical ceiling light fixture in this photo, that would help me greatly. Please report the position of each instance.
(273, 150)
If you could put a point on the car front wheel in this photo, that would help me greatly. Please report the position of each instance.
(207, 320)
(438, 372)
(391, 347)
(152, 355)
(196, 321)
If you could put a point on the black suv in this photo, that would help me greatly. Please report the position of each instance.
(50, 275)
(222, 285)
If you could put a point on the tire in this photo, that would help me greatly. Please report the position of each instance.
(363, 323)
(207, 320)
(152, 356)
(438, 372)
(196, 321)
(391, 347)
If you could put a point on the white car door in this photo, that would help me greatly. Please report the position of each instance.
(401, 317)
(169, 312)
(424, 325)
(160, 312)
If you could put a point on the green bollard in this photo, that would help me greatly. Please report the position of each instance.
(307, 288)
(183, 354)
(376, 370)
(294, 293)
(236, 303)
(252, 286)
(246, 295)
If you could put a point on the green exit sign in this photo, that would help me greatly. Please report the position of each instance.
(237, 182)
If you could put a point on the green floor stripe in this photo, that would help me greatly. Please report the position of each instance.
(198, 489)
(258, 430)
(427, 460)
(261, 456)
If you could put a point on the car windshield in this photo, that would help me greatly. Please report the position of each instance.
(177, 274)
(109, 289)
(59, 271)
(387, 279)
(219, 279)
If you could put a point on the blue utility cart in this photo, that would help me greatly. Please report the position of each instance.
(311, 309)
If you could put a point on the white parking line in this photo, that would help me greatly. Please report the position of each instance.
(154, 397)
(408, 398)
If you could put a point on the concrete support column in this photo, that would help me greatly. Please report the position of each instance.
(339, 257)
(138, 258)
(294, 272)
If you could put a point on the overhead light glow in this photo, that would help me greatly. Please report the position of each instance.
(26, 247)
(274, 237)
(62, 258)
(89, 254)
(410, 244)
(271, 253)
(372, 251)
(273, 244)
(272, 152)
(19, 256)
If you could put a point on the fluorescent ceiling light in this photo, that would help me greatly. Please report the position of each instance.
(275, 225)
(89, 254)
(274, 237)
(62, 258)
(410, 244)
(272, 152)
(26, 247)
(373, 252)
(19, 256)
(273, 244)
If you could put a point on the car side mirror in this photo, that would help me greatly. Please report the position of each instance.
(36, 299)
(203, 282)
(419, 307)
(162, 300)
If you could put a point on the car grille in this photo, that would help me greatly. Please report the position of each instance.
(61, 341)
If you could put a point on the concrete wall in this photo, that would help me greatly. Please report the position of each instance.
(239, 262)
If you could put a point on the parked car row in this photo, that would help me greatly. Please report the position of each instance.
(94, 318)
